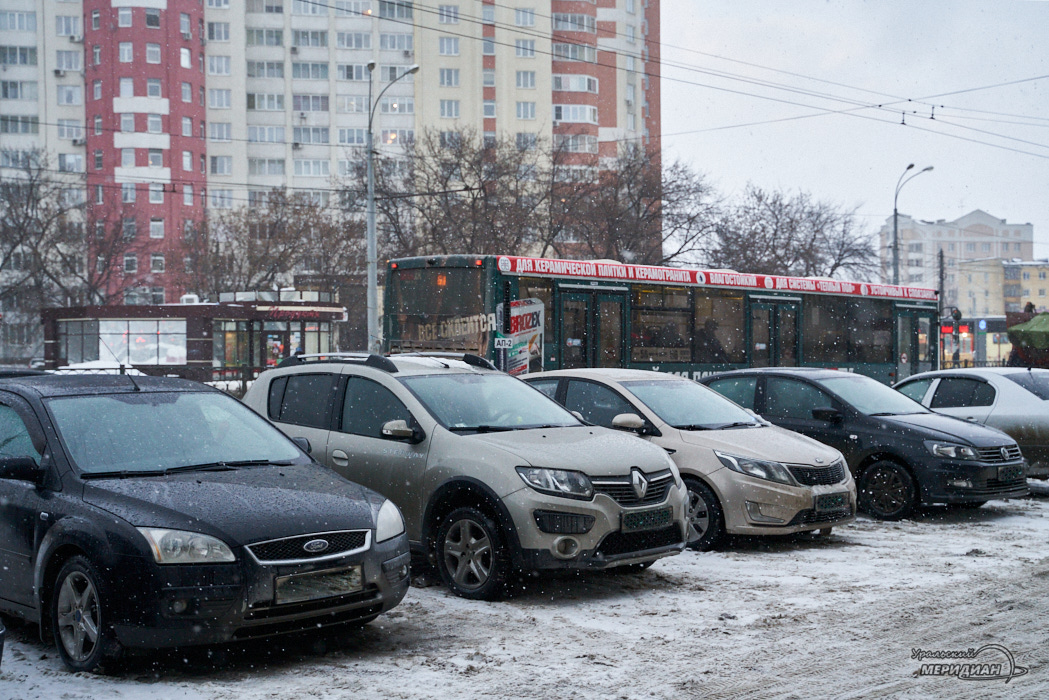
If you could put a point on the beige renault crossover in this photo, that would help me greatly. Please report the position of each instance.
(491, 475)
(744, 476)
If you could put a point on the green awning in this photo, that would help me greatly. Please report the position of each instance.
(1032, 334)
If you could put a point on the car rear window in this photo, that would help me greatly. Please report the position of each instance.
(306, 400)
(1035, 382)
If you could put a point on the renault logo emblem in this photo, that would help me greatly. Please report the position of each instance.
(315, 546)
(639, 482)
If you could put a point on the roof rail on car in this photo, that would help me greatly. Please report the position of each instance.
(468, 358)
(360, 358)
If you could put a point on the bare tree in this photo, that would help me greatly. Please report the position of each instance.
(772, 232)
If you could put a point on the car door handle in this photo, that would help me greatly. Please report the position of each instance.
(340, 458)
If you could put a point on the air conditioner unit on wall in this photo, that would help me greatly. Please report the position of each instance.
(76, 38)
(294, 49)
(79, 142)
(59, 73)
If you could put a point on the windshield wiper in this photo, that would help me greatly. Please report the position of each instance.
(884, 413)
(118, 474)
(224, 466)
(692, 426)
(480, 428)
(738, 424)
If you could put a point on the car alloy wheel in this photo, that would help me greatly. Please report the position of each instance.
(887, 491)
(78, 617)
(471, 555)
(706, 526)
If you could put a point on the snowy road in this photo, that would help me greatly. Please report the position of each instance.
(764, 618)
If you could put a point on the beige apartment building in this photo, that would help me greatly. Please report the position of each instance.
(975, 236)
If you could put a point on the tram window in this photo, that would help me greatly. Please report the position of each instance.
(824, 336)
(870, 330)
(660, 325)
(720, 332)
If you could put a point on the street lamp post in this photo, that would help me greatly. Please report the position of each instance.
(895, 220)
(373, 263)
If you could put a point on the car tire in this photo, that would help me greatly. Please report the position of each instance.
(705, 517)
(472, 555)
(79, 617)
(887, 491)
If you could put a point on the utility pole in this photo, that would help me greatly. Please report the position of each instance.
(943, 277)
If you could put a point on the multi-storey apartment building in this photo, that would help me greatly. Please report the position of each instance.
(163, 112)
(973, 236)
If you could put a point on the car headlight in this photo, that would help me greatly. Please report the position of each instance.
(389, 523)
(558, 482)
(951, 450)
(179, 547)
(760, 468)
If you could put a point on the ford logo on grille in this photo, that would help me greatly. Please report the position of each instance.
(315, 546)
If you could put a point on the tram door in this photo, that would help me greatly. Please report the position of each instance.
(916, 342)
(774, 333)
(592, 329)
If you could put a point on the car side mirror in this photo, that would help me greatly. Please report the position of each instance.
(831, 415)
(629, 421)
(303, 443)
(20, 469)
(400, 430)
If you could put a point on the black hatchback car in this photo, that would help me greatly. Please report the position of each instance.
(901, 454)
(151, 512)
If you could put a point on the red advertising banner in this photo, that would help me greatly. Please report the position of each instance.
(620, 272)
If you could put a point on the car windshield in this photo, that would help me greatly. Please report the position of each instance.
(686, 405)
(151, 432)
(486, 402)
(1035, 382)
(871, 397)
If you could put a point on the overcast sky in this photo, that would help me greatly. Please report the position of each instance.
(734, 66)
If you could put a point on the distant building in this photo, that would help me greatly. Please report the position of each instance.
(980, 286)
(1026, 283)
(977, 235)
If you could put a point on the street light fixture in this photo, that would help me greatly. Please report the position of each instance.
(373, 263)
(895, 220)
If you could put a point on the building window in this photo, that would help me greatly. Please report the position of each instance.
(308, 7)
(575, 52)
(526, 141)
(67, 60)
(312, 168)
(395, 9)
(127, 193)
(395, 42)
(153, 53)
(266, 134)
(70, 94)
(265, 69)
(187, 161)
(526, 110)
(310, 103)
(156, 228)
(268, 102)
(448, 45)
(524, 48)
(392, 137)
(524, 17)
(186, 58)
(353, 137)
(487, 47)
(355, 72)
(156, 263)
(99, 160)
(221, 165)
(489, 108)
(488, 77)
(488, 14)
(124, 17)
(221, 131)
(187, 92)
(67, 25)
(450, 109)
(153, 18)
(153, 88)
(265, 37)
(580, 114)
(219, 65)
(526, 79)
(397, 105)
(315, 39)
(96, 54)
(156, 193)
(221, 199)
(130, 259)
(448, 14)
(127, 87)
(309, 71)
(449, 77)
(126, 52)
(127, 157)
(70, 163)
(185, 25)
(265, 166)
(565, 22)
(220, 99)
(218, 31)
(95, 19)
(451, 139)
(311, 134)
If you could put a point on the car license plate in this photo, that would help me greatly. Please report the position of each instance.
(1011, 472)
(832, 501)
(320, 584)
(647, 519)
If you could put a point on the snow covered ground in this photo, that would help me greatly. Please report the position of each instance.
(763, 618)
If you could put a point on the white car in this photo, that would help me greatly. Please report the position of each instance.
(1013, 399)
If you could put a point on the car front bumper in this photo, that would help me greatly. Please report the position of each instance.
(971, 482)
(236, 601)
(608, 542)
(753, 506)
